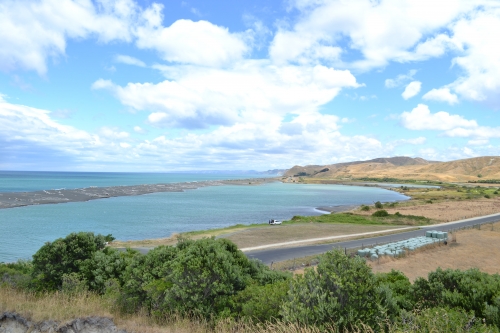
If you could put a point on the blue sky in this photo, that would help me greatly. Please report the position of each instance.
(123, 85)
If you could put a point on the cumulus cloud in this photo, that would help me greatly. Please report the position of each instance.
(252, 91)
(315, 138)
(441, 95)
(128, 60)
(400, 79)
(412, 89)
(32, 31)
(382, 31)
(188, 42)
(421, 118)
(398, 31)
(139, 130)
(479, 60)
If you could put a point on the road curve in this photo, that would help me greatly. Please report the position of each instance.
(280, 254)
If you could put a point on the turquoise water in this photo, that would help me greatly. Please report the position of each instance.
(24, 230)
(21, 181)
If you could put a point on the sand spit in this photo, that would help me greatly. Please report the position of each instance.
(19, 199)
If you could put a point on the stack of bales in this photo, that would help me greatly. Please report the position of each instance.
(398, 248)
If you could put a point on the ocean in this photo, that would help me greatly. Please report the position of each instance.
(24, 230)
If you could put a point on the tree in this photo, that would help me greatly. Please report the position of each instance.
(63, 256)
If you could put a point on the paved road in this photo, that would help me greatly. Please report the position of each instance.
(280, 254)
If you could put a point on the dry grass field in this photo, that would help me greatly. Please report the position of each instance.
(446, 211)
(295, 232)
(64, 308)
(268, 234)
(473, 249)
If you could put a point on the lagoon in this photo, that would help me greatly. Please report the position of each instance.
(24, 230)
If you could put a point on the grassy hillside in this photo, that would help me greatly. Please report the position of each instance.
(405, 168)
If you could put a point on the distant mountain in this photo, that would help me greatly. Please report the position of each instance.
(402, 167)
(273, 172)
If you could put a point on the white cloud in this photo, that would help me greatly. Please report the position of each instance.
(479, 59)
(139, 130)
(382, 31)
(19, 122)
(399, 31)
(415, 141)
(441, 95)
(400, 79)
(421, 118)
(113, 133)
(128, 60)
(188, 42)
(251, 91)
(308, 138)
(412, 89)
(478, 142)
(32, 31)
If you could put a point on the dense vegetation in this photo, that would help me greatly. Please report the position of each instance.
(211, 279)
(378, 217)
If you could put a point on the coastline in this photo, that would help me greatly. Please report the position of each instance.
(21, 199)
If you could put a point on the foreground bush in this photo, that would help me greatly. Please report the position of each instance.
(212, 281)
(64, 256)
(470, 290)
(198, 277)
(341, 291)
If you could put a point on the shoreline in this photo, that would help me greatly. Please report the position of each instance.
(45, 197)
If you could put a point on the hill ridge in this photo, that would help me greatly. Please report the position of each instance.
(403, 167)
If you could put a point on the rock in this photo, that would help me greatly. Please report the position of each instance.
(11, 322)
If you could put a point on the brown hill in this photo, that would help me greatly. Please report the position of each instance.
(401, 167)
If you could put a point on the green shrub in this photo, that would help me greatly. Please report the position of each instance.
(441, 320)
(64, 256)
(365, 208)
(496, 192)
(261, 303)
(487, 196)
(16, 274)
(470, 290)
(400, 288)
(341, 291)
(379, 205)
(106, 265)
(380, 213)
(195, 277)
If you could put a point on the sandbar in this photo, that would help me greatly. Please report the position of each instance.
(20, 199)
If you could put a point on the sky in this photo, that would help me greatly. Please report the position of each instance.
(158, 86)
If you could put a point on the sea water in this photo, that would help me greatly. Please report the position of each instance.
(24, 230)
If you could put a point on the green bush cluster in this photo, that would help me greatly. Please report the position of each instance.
(380, 213)
(212, 279)
(365, 208)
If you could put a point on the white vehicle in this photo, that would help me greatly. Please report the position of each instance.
(274, 222)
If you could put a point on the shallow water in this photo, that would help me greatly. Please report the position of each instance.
(24, 230)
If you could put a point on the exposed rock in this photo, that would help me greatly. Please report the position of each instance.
(14, 323)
